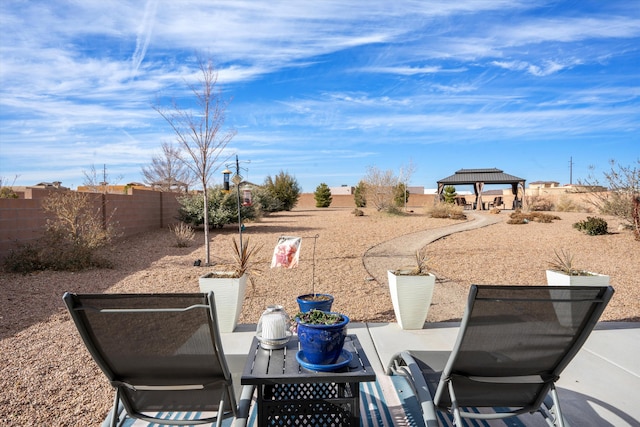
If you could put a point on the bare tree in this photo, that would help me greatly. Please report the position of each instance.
(97, 184)
(379, 187)
(167, 171)
(200, 135)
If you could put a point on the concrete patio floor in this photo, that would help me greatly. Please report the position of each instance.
(601, 386)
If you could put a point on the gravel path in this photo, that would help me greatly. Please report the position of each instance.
(400, 251)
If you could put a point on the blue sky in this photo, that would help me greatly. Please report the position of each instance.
(322, 90)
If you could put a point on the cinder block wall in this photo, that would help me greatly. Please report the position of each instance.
(23, 220)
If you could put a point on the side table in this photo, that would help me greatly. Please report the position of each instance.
(289, 394)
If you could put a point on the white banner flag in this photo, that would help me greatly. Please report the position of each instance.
(286, 252)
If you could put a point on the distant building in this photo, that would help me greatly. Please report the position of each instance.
(553, 188)
(342, 190)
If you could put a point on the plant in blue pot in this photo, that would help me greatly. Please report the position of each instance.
(321, 335)
(313, 301)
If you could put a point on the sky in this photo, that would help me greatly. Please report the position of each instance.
(324, 91)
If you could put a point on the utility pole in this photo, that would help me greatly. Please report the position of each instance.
(570, 170)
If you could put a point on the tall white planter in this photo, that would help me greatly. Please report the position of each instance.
(411, 297)
(229, 296)
(573, 317)
(558, 278)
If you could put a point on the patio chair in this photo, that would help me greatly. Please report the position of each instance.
(513, 343)
(161, 352)
(497, 201)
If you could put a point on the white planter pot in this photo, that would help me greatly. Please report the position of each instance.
(411, 297)
(557, 278)
(573, 317)
(229, 296)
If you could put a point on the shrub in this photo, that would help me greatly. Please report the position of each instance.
(539, 203)
(446, 210)
(357, 212)
(8, 193)
(223, 208)
(593, 226)
(566, 204)
(23, 259)
(519, 217)
(184, 234)
(322, 196)
(266, 201)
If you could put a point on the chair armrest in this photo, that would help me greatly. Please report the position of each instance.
(244, 406)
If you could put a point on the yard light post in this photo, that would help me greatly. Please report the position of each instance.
(237, 179)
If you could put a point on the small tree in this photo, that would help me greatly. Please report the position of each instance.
(401, 195)
(201, 135)
(167, 171)
(359, 195)
(284, 188)
(379, 187)
(323, 196)
(450, 194)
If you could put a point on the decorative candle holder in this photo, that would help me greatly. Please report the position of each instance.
(273, 328)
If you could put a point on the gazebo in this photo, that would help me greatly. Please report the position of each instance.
(479, 177)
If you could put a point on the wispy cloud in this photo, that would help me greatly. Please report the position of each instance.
(314, 87)
(144, 34)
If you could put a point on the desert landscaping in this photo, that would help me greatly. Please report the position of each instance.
(48, 376)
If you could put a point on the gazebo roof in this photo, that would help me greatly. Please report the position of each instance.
(486, 176)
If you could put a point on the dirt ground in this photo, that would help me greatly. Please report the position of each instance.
(48, 376)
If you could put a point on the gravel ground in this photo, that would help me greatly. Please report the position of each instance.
(49, 378)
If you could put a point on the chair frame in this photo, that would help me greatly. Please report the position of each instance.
(547, 402)
(121, 404)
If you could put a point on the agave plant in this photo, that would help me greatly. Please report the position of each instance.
(420, 268)
(244, 257)
(563, 262)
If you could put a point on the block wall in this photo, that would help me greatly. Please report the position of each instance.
(23, 220)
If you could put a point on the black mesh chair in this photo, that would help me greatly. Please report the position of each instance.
(513, 343)
(161, 352)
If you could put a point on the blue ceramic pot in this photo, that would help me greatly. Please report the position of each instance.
(306, 305)
(322, 344)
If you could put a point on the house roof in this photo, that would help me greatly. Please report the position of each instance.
(487, 176)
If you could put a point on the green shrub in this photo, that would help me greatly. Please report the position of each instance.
(284, 188)
(593, 226)
(322, 196)
(223, 208)
(359, 195)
